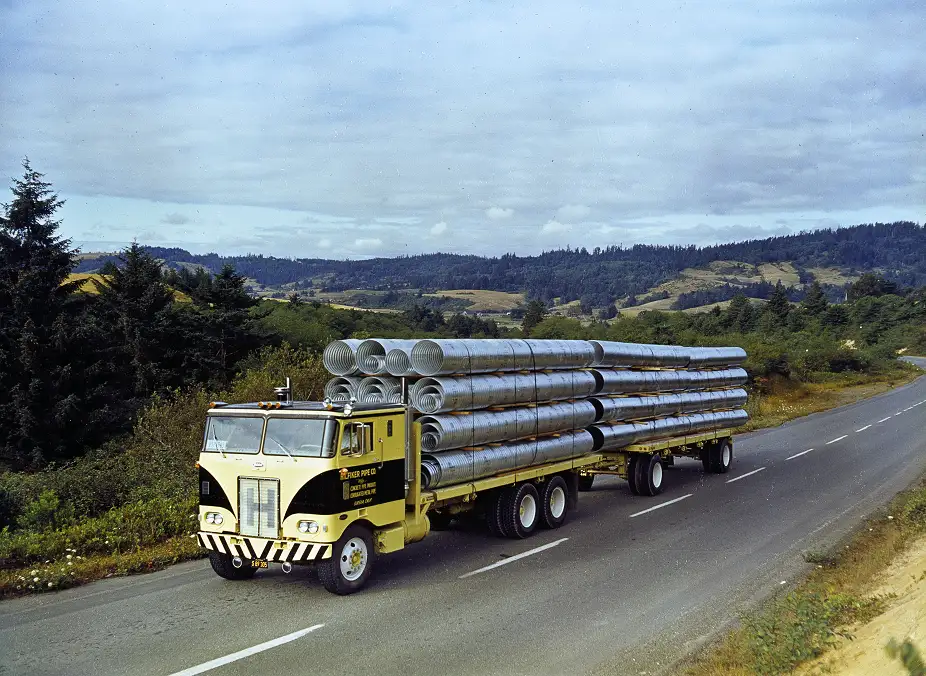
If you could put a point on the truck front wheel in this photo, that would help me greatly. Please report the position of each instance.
(223, 567)
(350, 564)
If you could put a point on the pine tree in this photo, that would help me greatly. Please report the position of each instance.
(534, 313)
(36, 406)
(778, 304)
(815, 302)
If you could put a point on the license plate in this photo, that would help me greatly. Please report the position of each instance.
(259, 563)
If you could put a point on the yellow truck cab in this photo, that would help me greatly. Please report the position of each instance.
(302, 482)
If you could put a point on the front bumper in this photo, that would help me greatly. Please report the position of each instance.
(260, 548)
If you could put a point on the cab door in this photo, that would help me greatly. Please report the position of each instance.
(360, 459)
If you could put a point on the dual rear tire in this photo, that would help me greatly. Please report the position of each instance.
(516, 511)
(717, 458)
(645, 474)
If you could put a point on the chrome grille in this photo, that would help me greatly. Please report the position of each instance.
(259, 507)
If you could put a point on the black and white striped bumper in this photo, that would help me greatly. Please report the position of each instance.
(258, 548)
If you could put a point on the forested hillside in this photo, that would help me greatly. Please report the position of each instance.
(598, 277)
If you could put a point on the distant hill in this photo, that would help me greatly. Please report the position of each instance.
(603, 275)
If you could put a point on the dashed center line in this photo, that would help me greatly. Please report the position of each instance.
(661, 505)
(898, 413)
(833, 441)
(909, 408)
(797, 455)
(247, 652)
(743, 476)
(863, 429)
(511, 559)
(884, 419)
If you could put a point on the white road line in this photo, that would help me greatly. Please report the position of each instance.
(662, 504)
(743, 476)
(909, 408)
(797, 455)
(833, 441)
(247, 652)
(863, 429)
(898, 413)
(884, 419)
(511, 559)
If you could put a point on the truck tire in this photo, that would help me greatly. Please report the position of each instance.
(222, 565)
(351, 562)
(585, 482)
(521, 511)
(632, 473)
(649, 474)
(721, 457)
(554, 502)
(490, 507)
(706, 457)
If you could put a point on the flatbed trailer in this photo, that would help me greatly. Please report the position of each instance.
(347, 487)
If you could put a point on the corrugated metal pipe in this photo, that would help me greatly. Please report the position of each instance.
(635, 408)
(340, 357)
(453, 467)
(466, 393)
(372, 354)
(343, 388)
(614, 354)
(610, 436)
(380, 389)
(447, 431)
(447, 356)
(630, 382)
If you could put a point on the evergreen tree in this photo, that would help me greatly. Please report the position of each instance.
(778, 304)
(137, 302)
(534, 312)
(37, 406)
(815, 302)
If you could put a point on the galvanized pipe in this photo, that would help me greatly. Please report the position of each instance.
(340, 357)
(447, 431)
(634, 408)
(380, 389)
(627, 382)
(447, 356)
(611, 436)
(453, 467)
(343, 388)
(371, 353)
(399, 363)
(614, 354)
(465, 393)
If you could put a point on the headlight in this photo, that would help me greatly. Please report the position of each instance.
(217, 519)
(310, 527)
(210, 517)
(213, 518)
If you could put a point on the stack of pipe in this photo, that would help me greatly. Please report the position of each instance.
(488, 406)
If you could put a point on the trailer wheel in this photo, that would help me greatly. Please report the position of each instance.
(585, 482)
(649, 474)
(491, 509)
(351, 562)
(521, 511)
(554, 502)
(721, 457)
(222, 565)
(632, 473)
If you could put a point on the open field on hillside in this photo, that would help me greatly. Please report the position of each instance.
(87, 285)
(483, 300)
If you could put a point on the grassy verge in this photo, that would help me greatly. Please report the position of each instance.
(151, 531)
(795, 628)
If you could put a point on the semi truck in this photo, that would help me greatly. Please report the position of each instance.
(335, 484)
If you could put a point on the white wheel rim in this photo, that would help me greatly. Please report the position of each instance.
(657, 474)
(527, 511)
(354, 558)
(725, 456)
(557, 502)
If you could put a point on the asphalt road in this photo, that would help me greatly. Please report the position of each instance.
(624, 594)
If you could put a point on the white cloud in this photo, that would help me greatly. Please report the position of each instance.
(555, 228)
(438, 229)
(323, 243)
(571, 213)
(499, 213)
(368, 243)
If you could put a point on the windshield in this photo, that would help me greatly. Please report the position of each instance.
(233, 434)
(312, 437)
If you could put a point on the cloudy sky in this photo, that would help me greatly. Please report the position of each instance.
(369, 128)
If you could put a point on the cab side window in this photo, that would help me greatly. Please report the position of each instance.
(357, 439)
